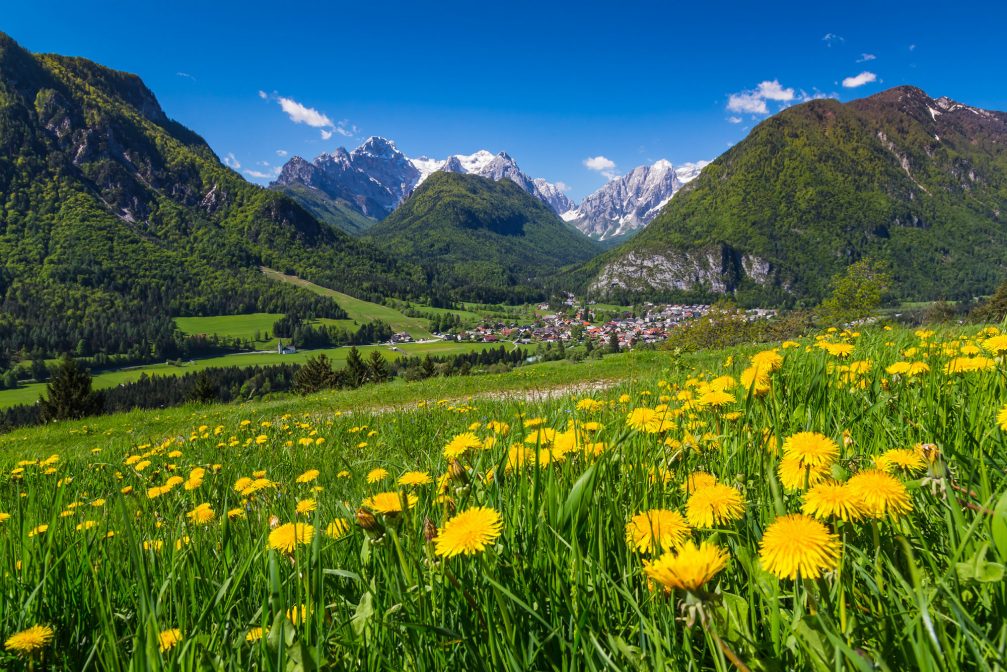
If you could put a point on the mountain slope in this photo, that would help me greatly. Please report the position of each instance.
(626, 204)
(115, 218)
(480, 238)
(899, 176)
(376, 177)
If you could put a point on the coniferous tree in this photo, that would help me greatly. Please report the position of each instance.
(68, 393)
(315, 375)
(204, 391)
(427, 366)
(613, 342)
(356, 368)
(377, 368)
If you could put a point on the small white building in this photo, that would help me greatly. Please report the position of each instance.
(288, 349)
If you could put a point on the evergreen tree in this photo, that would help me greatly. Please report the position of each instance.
(315, 375)
(39, 371)
(378, 371)
(69, 394)
(613, 342)
(204, 391)
(427, 366)
(356, 368)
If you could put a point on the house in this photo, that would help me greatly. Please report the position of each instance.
(288, 349)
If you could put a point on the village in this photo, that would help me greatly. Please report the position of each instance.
(574, 324)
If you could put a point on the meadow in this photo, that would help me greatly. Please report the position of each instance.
(834, 502)
(29, 393)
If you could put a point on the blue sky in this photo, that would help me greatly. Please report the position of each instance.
(554, 84)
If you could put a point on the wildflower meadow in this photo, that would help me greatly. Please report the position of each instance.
(834, 502)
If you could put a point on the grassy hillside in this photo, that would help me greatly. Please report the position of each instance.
(839, 513)
(481, 240)
(901, 177)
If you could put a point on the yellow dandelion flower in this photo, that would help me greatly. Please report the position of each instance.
(796, 476)
(236, 513)
(469, 532)
(254, 635)
(308, 476)
(767, 361)
(287, 537)
(697, 480)
(1002, 418)
(756, 381)
(543, 436)
(37, 530)
(833, 500)
(657, 529)
(882, 494)
(996, 344)
(414, 478)
(461, 444)
(688, 568)
(811, 449)
(904, 459)
(306, 506)
(716, 399)
(167, 639)
(533, 422)
(337, 528)
(644, 419)
(377, 475)
(201, 515)
(715, 504)
(389, 502)
(31, 640)
(798, 545)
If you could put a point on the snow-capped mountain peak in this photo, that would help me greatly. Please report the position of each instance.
(628, 203)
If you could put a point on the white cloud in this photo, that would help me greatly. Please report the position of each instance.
(281, 152)
(859, 80)
(231, 161)
(326, 134)
(599, 163)
(912, 47)
(734, 120)
(562, 186)
(831, 38)
(257, 175)
(866, 57)
(753, 101)
(263, 95)
(301, 114)
(185, 75)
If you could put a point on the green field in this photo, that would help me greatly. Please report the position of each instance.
(808, 506)
(28, 394)
(359, 310)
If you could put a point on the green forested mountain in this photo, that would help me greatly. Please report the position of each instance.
(480, 239)
(898, 176)
(113, 218)
(333, 212)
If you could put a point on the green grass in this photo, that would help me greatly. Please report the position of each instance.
(559, 585)
(233, 326)
(359, 310)
(28, 394)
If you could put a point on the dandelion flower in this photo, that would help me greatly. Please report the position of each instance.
(833, 500)
(306, 506)
(389, 502)
(377, 475)
(39, 529)
(697, 480)
(461, 444)
(767, 361)
(201, 515)
(29, 641)
(716, 399)
(337, 528)
(882, 494)
(167, 639)
(644, 420)
(469, 532)
(755, 380)
(811, 449)
(1002, 418)
(657, 529)
(254, 635)
(289, 536)
(308, 477)
(795, 545)
(795, 476)
(714, 505)
(415, 478)
(904, 459)
(688, 568)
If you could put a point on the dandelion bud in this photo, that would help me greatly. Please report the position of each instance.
(458, 472)
(429, 530)
(367, 521)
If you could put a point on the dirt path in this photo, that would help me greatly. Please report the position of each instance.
(542, 394)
